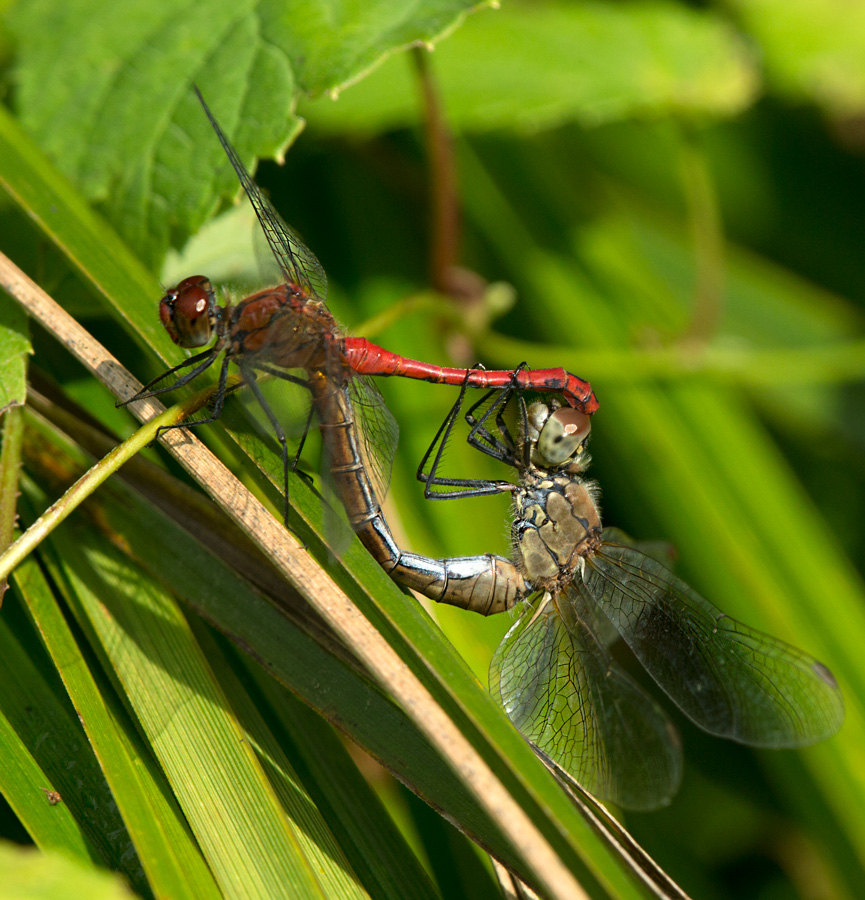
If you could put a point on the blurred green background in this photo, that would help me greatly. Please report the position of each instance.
(674, 193)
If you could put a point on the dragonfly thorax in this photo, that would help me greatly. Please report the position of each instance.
(556, 524)
(277, 326)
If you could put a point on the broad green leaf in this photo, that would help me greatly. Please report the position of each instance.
(812, 50)
(106, 91)
(531, 66)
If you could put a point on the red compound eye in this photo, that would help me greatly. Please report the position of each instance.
(187, 312)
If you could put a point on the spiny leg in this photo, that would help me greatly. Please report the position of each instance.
(302, 382)
(219, 400)
(471, 487)
(209, 356)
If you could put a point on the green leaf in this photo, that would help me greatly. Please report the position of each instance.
(376, 849)
(532, 66)
(107, 264)
(214, 772)
(28, 790)
(812, 50)
(28, 875)
(14, 350)
(106, 91)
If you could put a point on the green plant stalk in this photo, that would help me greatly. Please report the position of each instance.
(702, 203)
(427, 302)
(10, 463)
(90, 481)
(831, 364)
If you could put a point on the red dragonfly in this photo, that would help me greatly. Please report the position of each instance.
(290, 327)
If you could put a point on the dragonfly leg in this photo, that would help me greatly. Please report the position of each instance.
(481, 437)
(249, 376)
(496, 441)
(296, 461)
(469, 487)
(208, 357)
(301, 382)
(219, 401)
(500, 446)
(438, 445)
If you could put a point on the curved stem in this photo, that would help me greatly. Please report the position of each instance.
(445, 237)
(702, 202)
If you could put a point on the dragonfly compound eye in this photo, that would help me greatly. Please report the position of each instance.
(563, 434)
(187, 312)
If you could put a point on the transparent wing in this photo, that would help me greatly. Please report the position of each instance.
(379, 432)
(730, 680)
(296, 261)
(662, 551)
(560, 688)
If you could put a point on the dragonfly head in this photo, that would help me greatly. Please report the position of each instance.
(558, 435)
(188, 312)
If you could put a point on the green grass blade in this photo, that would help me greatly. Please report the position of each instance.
(154, 825)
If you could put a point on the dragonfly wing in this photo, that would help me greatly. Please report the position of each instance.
(560, 688)
(378, 432)
(730, 680)
(296, 261)
(663, 551)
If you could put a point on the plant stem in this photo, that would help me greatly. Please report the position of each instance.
(702, 203)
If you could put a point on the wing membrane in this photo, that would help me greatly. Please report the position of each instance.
(563, 692)
(296, 261)
(730, 680)
(378, 431)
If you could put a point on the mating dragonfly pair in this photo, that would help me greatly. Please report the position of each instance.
(580, 586)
